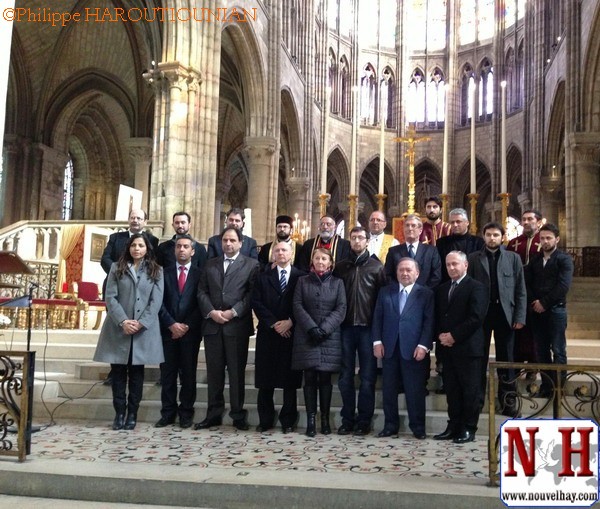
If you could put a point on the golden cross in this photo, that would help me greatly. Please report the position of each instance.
(411, 140)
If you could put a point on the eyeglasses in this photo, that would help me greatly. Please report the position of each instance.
(329, 225)
(375, 220)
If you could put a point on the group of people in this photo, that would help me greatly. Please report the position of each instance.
(325, 304)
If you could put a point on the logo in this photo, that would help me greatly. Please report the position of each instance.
(549, 462)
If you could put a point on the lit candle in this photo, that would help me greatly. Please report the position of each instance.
(381, 149)
(354, 142)
(503, 141)
(325, 140)
(473, 161)
(446, 135)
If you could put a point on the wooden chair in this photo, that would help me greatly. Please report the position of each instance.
(88, 296)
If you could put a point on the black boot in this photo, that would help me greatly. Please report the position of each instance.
(131, 421)
(119, 421)
(310, 401)
(325, 404)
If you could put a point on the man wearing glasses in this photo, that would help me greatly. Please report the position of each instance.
(363, 276)
(379, 242)
(326, 239)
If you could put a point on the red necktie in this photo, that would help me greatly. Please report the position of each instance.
(181, 280)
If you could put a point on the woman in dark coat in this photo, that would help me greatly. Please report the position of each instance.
(130, 336)
(319, 310)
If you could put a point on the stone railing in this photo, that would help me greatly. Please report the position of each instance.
(38, 244)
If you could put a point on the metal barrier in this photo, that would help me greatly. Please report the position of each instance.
(16, 398)
(577, 398)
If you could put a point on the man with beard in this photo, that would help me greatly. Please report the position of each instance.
(458, 240)
(235, 219)
(548, 277)
(501, 272)
(165, 254)
(527, 245)
(379, 242)
(327, 239)
(283, 227)
(434, 228)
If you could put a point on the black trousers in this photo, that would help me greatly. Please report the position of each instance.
(127, 376)
(266, 407)
(462, 381)
(504, 341)
(181, 361)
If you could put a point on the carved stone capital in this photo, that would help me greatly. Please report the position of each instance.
(260, 149)
(174, 74)
(139, 149)
(551, 185)
(585, 147)
(297, 185)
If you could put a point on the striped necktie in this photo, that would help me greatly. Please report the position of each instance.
(282, 281)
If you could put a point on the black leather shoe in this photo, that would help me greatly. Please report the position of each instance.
(119, 422)
(449, 434)
(185, 422)
(108, 380)
(261, 428)
(345, 429)
(130, 422)
(361, 430)
(464, 437)
(287, 429)
(208, 423)
(241, 424)
(420, 435)
(387, 433)
(164, 421)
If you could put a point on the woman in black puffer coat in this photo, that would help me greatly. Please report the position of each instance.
(319, 310)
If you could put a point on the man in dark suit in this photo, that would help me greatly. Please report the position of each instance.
(283, 232)
(430, 265)
(180, 323)
(461, 304)
(116, 245)
(235, 219)
(272, 302)
(501, 272)
(166, 253)
(402, 336)
(326, 239)
(224, 294)
(117, 241)
(459, 240)
(548, 277)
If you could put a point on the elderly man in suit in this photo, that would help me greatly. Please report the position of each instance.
(272, 302)
(235, 219)
(461, 305)
(180, 322)
(402, 336)
(326, 239)
(430, 265)
(117, 241)
(501, 272)
(459, 240)
(224, 294)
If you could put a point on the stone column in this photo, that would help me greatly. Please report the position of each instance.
(549, 193)
(262, 184)
(5, 41)
(582, 193)
(140, 154)
(298, 188)
(48, 167)
(9, 213)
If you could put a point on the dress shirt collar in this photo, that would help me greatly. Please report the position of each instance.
(407, 288)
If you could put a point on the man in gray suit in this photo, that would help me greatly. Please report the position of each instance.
(501, 272)
(224, 295)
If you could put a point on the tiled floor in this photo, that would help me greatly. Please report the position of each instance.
(226, 448)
